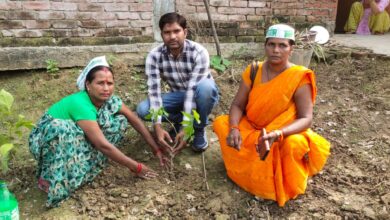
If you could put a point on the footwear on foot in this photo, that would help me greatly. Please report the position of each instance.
(200, 143)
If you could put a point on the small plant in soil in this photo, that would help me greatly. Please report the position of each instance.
(188, 126)
(11, 125)
(52, 66)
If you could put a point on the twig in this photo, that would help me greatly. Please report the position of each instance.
(204, 171)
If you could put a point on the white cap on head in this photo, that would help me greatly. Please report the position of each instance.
(281, 31)
(97, 61)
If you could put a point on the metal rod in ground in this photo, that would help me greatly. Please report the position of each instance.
(204, 171)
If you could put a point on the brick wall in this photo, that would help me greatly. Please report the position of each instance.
(98, 22)
(75, 22)
(246, 20)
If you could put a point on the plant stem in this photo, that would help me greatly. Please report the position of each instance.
(204, 171)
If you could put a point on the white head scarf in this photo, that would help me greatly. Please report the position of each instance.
(281, 31)
(97, 61)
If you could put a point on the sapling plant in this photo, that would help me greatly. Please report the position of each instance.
(51, 66)
(188, 125)
(11, 128)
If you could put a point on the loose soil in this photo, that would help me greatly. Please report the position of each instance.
(352, 111)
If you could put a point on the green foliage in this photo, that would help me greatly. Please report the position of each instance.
(111, 59)
(154, 114)
(219, 63)
(188, 125)
(51, 66)
(305, 40)
(11, 128)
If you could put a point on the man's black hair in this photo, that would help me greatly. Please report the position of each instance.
(170, 18)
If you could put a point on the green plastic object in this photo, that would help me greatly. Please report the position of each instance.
(8, 205)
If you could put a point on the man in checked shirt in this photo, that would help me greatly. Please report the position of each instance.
(184, 66)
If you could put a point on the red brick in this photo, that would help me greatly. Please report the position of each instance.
(10, 5)
(62, 6)
(129, 32)
(235, 3)
(39, 6)
(236, 11)
(236, 17)
(107, 32)
(141, 6)
(90, 7)
(255, 18)
(79, 15)
(65, 24)
(27, 33)
(256, 4)
(104, 15)
(218, 3)
(115, 23)
(82, 32)
(116, 7)
(22, 15)
(45, 15)
(201, 9)
(37, 24)
(141, 23)
(91, 24)
(127, 16)
(147, 31)
(6, 24)
(263, 11)
(146, 15)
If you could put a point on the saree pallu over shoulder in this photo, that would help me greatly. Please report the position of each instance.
(283, 175)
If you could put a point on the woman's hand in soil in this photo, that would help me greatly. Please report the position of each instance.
(144, 172)
(180, 143)
(234, 139)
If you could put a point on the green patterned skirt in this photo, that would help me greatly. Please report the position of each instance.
(66, 159)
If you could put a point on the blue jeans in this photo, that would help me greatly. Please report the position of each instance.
(206, 97)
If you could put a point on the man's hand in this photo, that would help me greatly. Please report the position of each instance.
(162, 138)
(180, 142)
(234, 139)
(164, 161)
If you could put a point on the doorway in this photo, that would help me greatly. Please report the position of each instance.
(343, 7)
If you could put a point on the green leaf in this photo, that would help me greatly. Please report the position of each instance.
(226, 62)
(6, 100)
(4, 139)
(5, 149)
(148, 116)
(196, 116)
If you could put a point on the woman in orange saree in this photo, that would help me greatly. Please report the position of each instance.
(281, 101)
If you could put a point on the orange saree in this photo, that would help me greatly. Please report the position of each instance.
(284, 173)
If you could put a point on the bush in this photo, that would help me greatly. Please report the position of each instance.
(11, 128)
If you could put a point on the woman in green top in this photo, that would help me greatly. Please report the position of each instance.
(74, 137)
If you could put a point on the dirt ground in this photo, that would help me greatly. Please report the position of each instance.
(352, 111)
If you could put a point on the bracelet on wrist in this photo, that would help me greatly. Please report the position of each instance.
(279, 134)
(139, 168)
(234, 127)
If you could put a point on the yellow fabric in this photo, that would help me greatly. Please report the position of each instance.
(378, 23)
(283, 175)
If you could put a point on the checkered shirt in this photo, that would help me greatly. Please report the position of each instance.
(181, 74)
